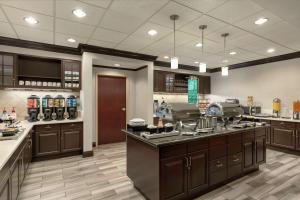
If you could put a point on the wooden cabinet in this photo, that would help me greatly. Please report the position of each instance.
(204, 84)
(15, 180)
(159, 83)
(5, 187)
(283, 137)
(71, 74)
(7, 70)
(248, 150)
(260, 144)
(174, 177)
(57, 139)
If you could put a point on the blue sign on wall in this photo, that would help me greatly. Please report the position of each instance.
(193, 91)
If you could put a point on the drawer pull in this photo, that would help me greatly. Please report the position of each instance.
(48, 126)
(236, 160)
(72, 124)
(219, 165)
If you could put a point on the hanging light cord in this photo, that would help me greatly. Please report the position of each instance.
(202, 38)
(174, 38)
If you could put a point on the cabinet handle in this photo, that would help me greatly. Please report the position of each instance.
(236, 160)
(219, 165)
(190, 163)
(186, 162)
(48, 126)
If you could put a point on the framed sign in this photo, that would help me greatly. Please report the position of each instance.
(193, 91)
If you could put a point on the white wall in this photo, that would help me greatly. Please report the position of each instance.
(263, 82)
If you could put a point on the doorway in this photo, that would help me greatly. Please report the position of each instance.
(111, 109)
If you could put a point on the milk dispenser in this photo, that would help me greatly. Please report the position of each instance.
(72, 107)
(33, 108)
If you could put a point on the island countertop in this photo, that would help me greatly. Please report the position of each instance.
(165, 141)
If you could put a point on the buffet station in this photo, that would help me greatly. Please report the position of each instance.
(195, 152)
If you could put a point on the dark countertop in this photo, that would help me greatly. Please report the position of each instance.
(165, 141)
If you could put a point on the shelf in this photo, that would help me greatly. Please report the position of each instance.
(38, 77)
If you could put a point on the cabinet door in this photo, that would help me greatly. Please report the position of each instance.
(260, 144)
(283, 138)
(159, 81)
(15, 180)
(297, 139)
(198, 172)
(7, 70)
(47, 143)
(4, 189)
(27, 154)
(268, 138)
(71, 140)
(248, 151)
(173, 178)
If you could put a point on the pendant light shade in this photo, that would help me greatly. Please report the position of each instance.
(202, 67)
(225, 68)
(174, 63)
(224, 71)
(174, 59)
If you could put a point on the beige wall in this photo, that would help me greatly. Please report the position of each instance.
(263, 82)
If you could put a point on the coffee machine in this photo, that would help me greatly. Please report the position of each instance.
(72, 107)
(33, 108)
(47, 107)
(59, 104)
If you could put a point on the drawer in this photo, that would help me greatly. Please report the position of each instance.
(282, 124)
(217, 177)
(235, 147)
(217, 152)
(48, 127)
(298, 125)
(218, 164)
(174, 150)
(68, 126)
(261, 131)
(234, 137)
(248, 136)
(216, 141)
(197, 145)
(265, 120)
(234, 170)
(235, 159)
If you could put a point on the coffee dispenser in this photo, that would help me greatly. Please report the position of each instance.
(276, 107)
(59, 104)
(47, 107)
(72, 107)
(33, 108)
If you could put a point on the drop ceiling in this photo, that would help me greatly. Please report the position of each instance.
(123, 24)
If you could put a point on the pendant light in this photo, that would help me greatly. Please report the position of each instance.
(224, 68)
(202, 65)
(174, 59)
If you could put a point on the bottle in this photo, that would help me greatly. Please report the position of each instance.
(4, 115)
(13, 114)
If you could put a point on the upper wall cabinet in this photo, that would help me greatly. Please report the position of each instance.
(169, 82)
(7, 70)
(71, 74)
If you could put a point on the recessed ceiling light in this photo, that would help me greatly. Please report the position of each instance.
(225, 61)
(79, 13)
(72, 40)
(152, 32)
(117, 65)
(198, 44)
(271, 50)
(261, 21)
(166, 57)
(31, 20)
(196, 62)
(232, 53)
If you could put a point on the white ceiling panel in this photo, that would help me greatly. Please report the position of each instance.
(2, 16)
(64, 10)
(102, 43)
(62, 39)
(185, 15)
(235, 10)
(101, 3)
(108, 35)
(68, 27)
(120, 22)
(27, 33)
(142, 32)
(39, 6)
(134, 43)
(16, 16)
(202, 5)
(242, 54)
(6, 30)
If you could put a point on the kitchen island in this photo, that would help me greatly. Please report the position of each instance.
(184, 167)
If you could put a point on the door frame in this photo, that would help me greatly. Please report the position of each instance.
(96, 99)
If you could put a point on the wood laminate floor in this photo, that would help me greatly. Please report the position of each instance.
(104, 177)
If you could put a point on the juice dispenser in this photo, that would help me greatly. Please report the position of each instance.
(276, 107)
(47, 107)
(296, 109)
(59, 104)
(33, 108)
(72, 107)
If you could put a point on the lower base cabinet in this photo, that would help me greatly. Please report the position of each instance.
(5, 188)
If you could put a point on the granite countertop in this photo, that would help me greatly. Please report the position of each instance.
(165, 141)
(8, 147)
(272, 118)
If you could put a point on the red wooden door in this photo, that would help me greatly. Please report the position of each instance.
(111, 109)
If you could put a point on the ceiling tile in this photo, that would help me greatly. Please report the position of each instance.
(37, 35)
(185, 15)
(133, 43)
(62, 39)
(6, 30)
(2, 16)
(102, 43)
(235, 10)
(73, 28)
(102, 3)
(242, 54)
(202, 5)
(108, 35)
(142, 32)
(16, 16)
(64, 10)
(120, 22)
(43, 6)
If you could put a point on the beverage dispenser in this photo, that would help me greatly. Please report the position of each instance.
(296, 109)
(59, 104)
(47, 107)
(276, 107)
(33, 108)
(72, 107)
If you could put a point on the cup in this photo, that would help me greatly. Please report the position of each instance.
(21, 82)
(39, 83)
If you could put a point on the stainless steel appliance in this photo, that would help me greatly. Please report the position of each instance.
(72, 107)
(59, 104)
(33, 108)
(252, 110)
(47, 107)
